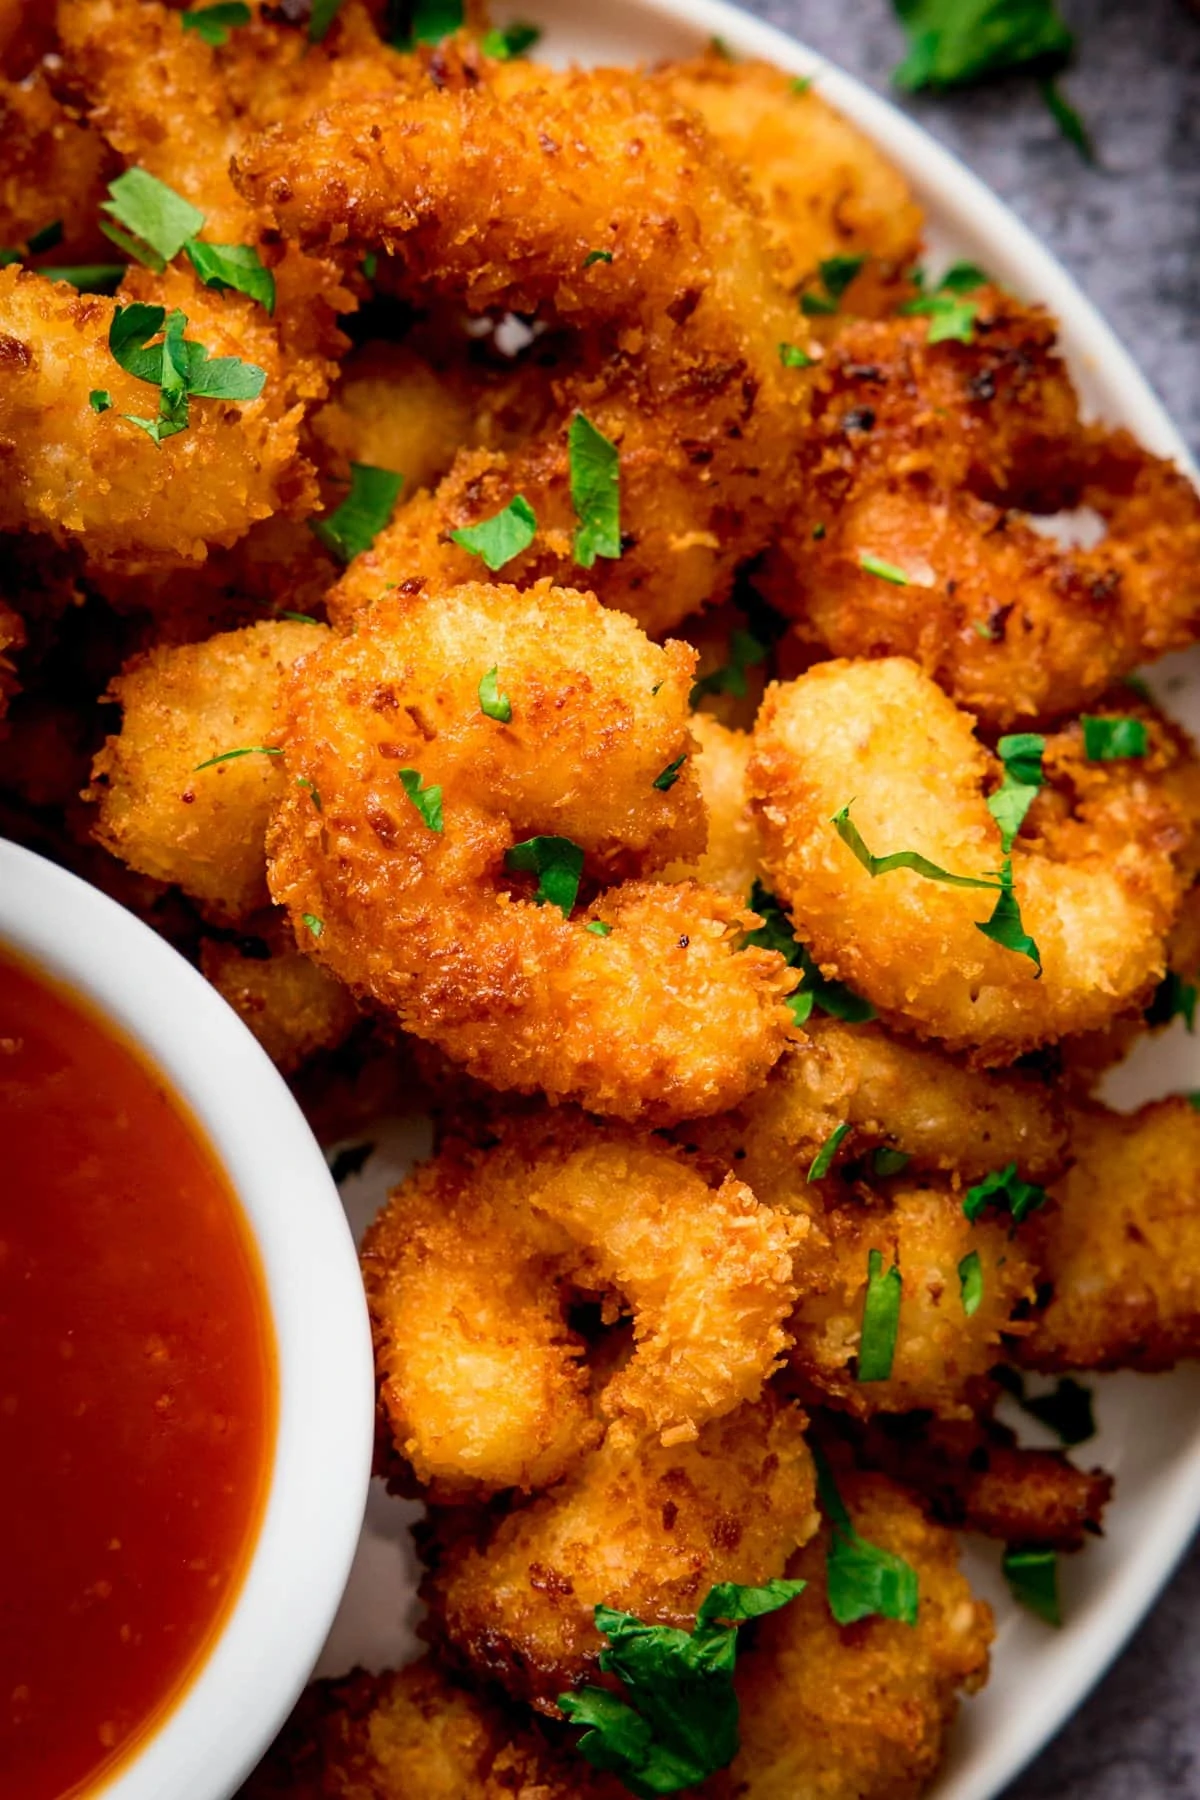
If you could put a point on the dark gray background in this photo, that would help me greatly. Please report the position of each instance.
(1130, 233)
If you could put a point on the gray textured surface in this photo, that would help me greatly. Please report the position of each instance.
(1130, 233)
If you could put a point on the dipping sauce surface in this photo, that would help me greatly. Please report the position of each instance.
(138, 1394)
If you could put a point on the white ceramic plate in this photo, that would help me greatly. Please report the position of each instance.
(1149, 1433)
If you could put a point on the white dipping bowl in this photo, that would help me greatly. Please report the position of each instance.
(259, 1659)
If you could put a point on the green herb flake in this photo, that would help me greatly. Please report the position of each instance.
(100, 400)
(46, 239)
(1021, 754)
(298, 618)
(370, 264)
(886, 571)
(430, 22)
(951, 318)
(679, 1722)
(970, 1282)
(313, 794)
(238, 266)
(492, 703)
(862, 1581)
(505, 535)
(510, 41)
(837, 272)
(832, 997)
(89, 278)
(214, 23)
(427, 800)
(887, 1161)
(558, 864)
(595, 491)
(1005, 925)
(800, 84)
(353, 526)
(246, 750)
(880, 1321)
(822, 1162)
(670, 774)
(153, 222)
(598, 928)
(1113, 739)
(953, 43)
(1068, 119)
(315, 925)
(1193, 1099)
(1004, 1188)
(323, 13)
(179, 370)
(745, 652)
(793, 357)
(1032, 1576)
(1174, 998)
(597, 256)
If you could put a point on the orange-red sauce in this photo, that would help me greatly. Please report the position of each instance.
(138, 1394)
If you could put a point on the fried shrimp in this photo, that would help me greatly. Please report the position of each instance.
(641, 1004)
(96, 477)
(293, 1007)
(730, 862)
(501, 204)
(1098, 871)
(639, 1527)
(158, 810)
(469, 1268)
(1119, 1251)
(860, 1711)
(52, 170)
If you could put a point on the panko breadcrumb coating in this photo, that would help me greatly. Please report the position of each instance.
(293, 1007)
(663, 1015)
(1097, 868)
(470, 1266)
(162, 814)
(731, 858)
(51, 169)
(639, 1527)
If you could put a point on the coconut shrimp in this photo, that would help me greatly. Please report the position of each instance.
(639, 1002)
(1098, 871)
(639, 1527)
(162, 813)
(469, 1267)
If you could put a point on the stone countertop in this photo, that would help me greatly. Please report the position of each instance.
(1129, 231)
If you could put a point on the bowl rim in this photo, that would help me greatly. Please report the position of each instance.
(211, 1736)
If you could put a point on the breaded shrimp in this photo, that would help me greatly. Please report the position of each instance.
(162, 814)
(1098, 871)
(731, 858)
(51, 169)
(1119, 1251)
(293, 1007)
(863, 1710)
(79, 474)
(469, 1268)
(660, 1015)
(645, 1529)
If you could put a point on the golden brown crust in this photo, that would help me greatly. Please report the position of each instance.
(293, 1007)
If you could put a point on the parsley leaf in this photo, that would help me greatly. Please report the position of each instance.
(822, 1162)
(1005, 926)
(427, 800)
(246, 750)
(214, 23)
(492, 703)
(670, 774)
(1111, 740)
(832, 997)
(323, 13)
(951, 316)
(237, 266)
(510, 41)
(89, 278)
(429, 22)
(1021, 755)
(1066, 1410)
(157, 222)
(970, 1282)
(1174, 998)
(862, 1581)
(880, 1321)
(955, 42)
(887, 1161)
(315, 925)
(683, 1723)
(178, 369)
(598, 928)
(1032, 1576)
(45, 239)
(558, 864)
(745, 652)
(100, 400)
(1008, 1191)
(793, 357)
(1068, 119)
(498, 539)
(597, 256)
(834, 276)
(595, 492)
(886, 571)
(353, 526)
(311, 787)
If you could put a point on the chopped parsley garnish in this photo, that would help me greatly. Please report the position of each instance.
(350, 1161)
(1068, 119)
(680, 1721)
(955, 42)
(1193, 1099)
(427, 800)
(370, 264)
(1066, 1410)
(353, 526)
(1174, 998)
(951, 314)
(880, 1321)
(429, 22)
(597, 256)
(510, 41)
(1021, 755)
(1032, 1576)
(822, 1162)
(498, 539)
(181, 371)
(154, 223)
(558, 864)
(214, 23)
(89, 278)
(862, 1581)
(492, 703)
(300, 618)
(800, 84)
(313, 793)
(793, 357)
(315, 925)
(231, 755)
(598, 928)
(745, 652)
(887, 1161)
(239, 266)
(1004, 1188)
(834, 275)
(1004, 926)
(970, 1282)
(100, 400)
(670, 774)
(1111, 740)
(595, 492)
(323, 13)
(886, 571)
(46, 238)
(832, 997)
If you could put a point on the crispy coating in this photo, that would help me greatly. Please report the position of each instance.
(1119, 1252)
(825, 189)
(82, 475)
(470, 1266)
(293, 1007)
(204, 829)
(859, 1712)
(1098, 869)
(639, 1527)
(662, 1017)
(731, 856)
(51, 168)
